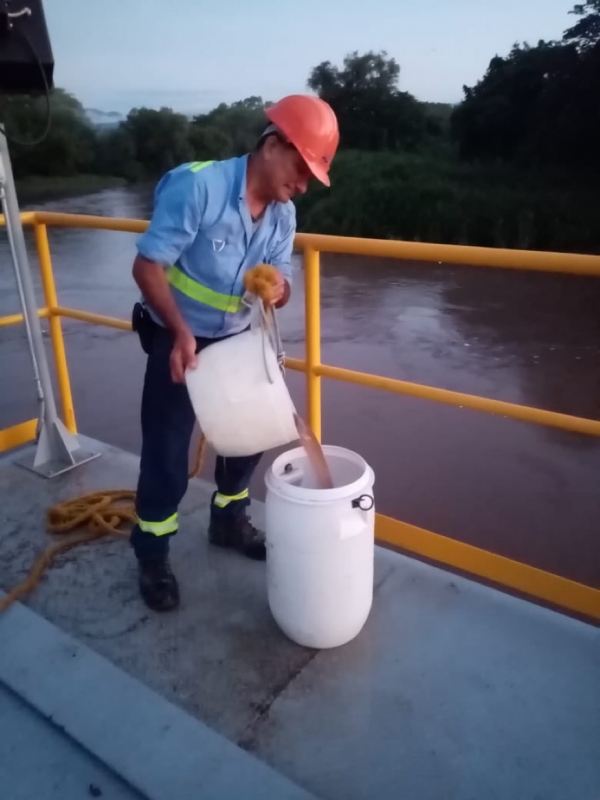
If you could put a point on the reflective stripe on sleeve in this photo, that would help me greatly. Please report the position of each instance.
(195, 290)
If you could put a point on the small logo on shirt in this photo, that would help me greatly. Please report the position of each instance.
(218, 245)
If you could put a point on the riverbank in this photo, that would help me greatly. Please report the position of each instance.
(37, 188)
(428, 196)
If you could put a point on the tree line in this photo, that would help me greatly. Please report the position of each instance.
(514, 164)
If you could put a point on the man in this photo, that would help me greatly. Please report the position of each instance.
(211, 223)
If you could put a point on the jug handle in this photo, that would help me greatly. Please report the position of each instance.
(272, 334)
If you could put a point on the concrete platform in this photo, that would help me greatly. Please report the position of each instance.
(452, 691)
(140, 740)
(38, 761)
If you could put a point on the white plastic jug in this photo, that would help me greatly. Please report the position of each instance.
(239, 395)
(320, 547)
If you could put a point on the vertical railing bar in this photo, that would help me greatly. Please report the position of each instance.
(312, 299)
(56, 333)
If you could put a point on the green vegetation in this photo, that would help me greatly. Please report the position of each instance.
(515, 164)
(432, 198)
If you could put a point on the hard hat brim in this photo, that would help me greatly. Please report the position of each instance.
(318, 171)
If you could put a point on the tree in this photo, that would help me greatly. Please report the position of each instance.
(370, 72)
(537, 106)
(115, 153)
(160, 139)
(439, 115)
(210, 143)
(586, 33)
(67, 149)
(229, 130)
(498, 117)
(372, 113)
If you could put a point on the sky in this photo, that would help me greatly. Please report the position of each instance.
(191, 55)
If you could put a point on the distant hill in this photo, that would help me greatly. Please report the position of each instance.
(104, 119)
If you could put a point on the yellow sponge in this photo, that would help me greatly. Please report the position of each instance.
(261, 281)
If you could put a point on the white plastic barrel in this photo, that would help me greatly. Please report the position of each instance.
(320, 547)
(239, 396)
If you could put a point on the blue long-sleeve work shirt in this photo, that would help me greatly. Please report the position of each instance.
(202, 232)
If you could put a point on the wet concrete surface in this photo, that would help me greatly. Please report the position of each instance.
(521, 490)
(453, 696)
(221, 656)
(452, 690)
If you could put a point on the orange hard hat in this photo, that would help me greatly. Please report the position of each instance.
(310, 124)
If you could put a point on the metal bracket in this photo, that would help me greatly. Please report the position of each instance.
(57, 450)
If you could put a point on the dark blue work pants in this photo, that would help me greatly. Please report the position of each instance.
(167, 425)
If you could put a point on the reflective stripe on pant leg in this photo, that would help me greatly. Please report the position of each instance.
(161, 528)
(223, 500)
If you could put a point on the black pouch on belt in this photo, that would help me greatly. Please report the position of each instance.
(143, 324)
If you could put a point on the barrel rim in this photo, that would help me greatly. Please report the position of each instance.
(302, 495)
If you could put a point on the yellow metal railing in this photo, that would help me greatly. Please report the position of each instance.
(531, 581)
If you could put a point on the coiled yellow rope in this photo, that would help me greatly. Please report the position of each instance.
(96, 514)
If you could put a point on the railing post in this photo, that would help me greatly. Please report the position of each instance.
(57, 449)
(56, 334)
(312, 300)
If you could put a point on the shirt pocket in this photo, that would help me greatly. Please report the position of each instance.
(221, 238)
(216, 258)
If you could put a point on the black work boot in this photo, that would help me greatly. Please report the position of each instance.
(238, 533)
(158, 585)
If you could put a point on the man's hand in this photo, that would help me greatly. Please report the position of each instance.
(281, 291)
(267, 282)
(183, 355)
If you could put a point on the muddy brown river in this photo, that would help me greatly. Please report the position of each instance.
(525, 491)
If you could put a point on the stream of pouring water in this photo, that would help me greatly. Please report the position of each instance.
(314, 453)
(308, 440)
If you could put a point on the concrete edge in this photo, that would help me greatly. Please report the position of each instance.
(156, 747)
